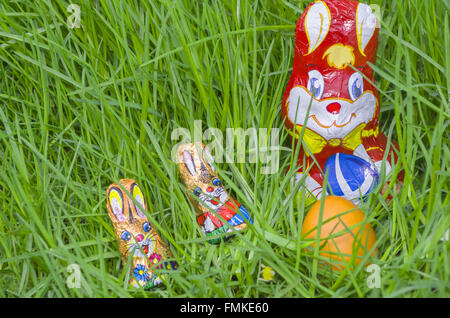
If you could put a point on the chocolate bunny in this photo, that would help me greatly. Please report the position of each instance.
(206, 192)
(135, 235)
(332, 103)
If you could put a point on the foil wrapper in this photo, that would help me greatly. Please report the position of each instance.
(216, 211)
(135, 235)
(331, 105)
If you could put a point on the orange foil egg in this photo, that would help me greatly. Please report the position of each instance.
(344, 235)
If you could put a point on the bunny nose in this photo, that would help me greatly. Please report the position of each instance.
(210, 189)
(334, 108)
(140, 237)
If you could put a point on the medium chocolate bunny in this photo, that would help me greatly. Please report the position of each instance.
(211, 201)
(135, 235)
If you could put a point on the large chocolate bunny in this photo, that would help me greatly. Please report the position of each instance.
(136, 236)
(212, 203)
(330, 100)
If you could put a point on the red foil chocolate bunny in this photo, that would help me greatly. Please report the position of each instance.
(331, 103)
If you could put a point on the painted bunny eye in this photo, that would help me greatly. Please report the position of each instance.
(197, 191)
(316, 84)
(216, 182)
(355, 86)
(126, 236)
(146, 227)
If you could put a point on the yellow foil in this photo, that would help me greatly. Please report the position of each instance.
(206, 192)
(136, 235)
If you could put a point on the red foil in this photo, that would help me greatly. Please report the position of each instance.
(330, 90)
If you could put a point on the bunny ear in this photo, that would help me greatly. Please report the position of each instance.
(208, 157)
(189, 162)
(116, 203)
(317, 24)
(365, 26)
(139, 197)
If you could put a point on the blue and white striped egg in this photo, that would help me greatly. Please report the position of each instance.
(350, 177)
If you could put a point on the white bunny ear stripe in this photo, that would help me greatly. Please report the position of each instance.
(208, 157)
(317, 24)
(366, 23)
(116, 203)
(189, 162)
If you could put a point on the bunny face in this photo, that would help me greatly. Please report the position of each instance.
(330, 117)
(200, 177)
(213, 197)
(135, 235)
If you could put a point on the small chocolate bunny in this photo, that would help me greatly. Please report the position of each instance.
(135, 235)
(206, 192)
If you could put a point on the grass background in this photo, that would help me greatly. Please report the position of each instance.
(82, 108)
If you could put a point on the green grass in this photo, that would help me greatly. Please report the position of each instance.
(82, 108)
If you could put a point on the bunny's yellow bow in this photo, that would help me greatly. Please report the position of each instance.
(316, 142)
